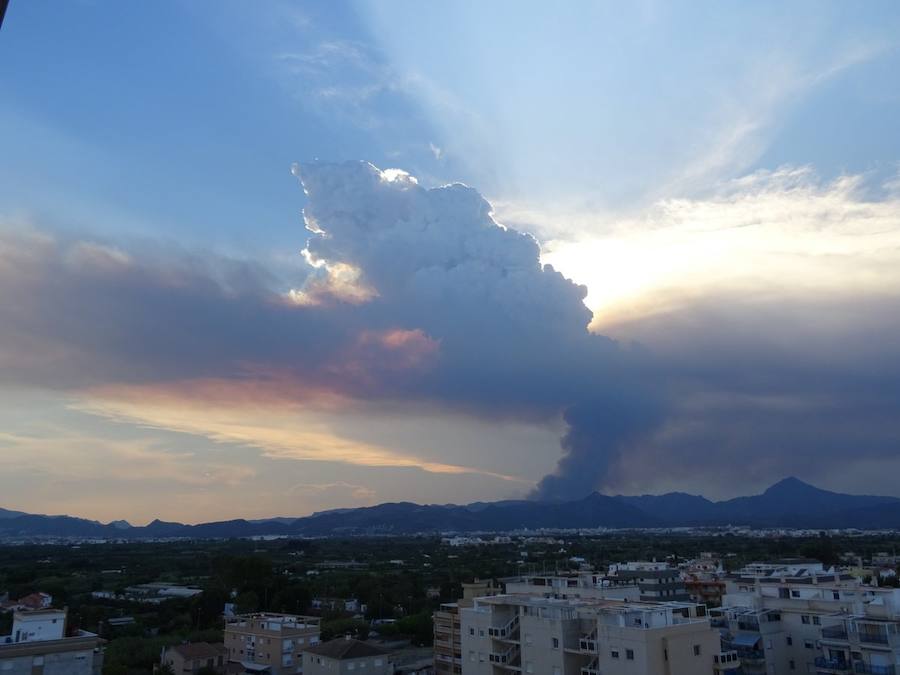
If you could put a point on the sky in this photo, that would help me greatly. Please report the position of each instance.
(271, 258)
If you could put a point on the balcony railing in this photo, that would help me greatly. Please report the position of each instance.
(871, 637)
(871, 669)
(834, 633)
(506, 631)
(588, 644)
(593, 668)
(833, 665)
(504, 658)
(726, 660)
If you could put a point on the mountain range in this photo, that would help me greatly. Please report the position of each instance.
(788, 503)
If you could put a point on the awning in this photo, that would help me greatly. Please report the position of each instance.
(746, 640)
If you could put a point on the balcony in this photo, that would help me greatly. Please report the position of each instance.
(505, 632)
(588, 643)
(873, 637)
(508, 658)
(870, 669)
(832, 665)
(593, 668)
(834, 633)
(726, 660)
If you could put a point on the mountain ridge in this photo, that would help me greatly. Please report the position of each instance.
(788, 503)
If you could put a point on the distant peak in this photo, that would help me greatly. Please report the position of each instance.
(791, 483)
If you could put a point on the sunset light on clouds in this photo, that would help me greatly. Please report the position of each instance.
(312, 255)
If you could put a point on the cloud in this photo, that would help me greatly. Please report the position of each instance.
(775, 342)
(770, 308)
(354, 491)
(461, 316)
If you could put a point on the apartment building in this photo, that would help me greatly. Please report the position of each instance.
(812, 622)
(275, 641)
(447, 637)
(345, 655)
(41, 644)
(548, 636)
(657, 582)
(575, 585)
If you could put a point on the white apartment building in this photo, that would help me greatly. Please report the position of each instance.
(548, 636)
(574, 585)
(40, 644)
(656, 581)
(814, 622)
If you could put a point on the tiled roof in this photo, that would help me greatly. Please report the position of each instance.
(343, 648)
(198, 650)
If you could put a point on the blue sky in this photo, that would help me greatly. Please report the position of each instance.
(723, 177)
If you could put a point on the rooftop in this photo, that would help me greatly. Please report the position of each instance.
(198, 650)
(346, 648)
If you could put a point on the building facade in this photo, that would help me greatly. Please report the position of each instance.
(40, 644)
(810, 622)
(346, 656)
(266, 639)
(193, 656)
(522, 634)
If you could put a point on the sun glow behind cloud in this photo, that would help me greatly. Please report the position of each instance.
(769, 232)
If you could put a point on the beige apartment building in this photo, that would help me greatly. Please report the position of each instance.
(447, 637)
(548, 636)
(275, 641)
(346, 656)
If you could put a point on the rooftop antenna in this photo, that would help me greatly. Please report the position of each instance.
(3, 5)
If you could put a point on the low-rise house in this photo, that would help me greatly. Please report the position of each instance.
(192, 656)
(345, 656)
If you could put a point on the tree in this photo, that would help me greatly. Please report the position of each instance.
(246, 602)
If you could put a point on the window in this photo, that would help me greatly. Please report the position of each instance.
(471, 655)
(555, 643)
(378, 662)
(481, 632)
(817, 621)
(696, 650)
(808, 644)
(804, 618)
(836, 595)
(528, 639)
(529, 667)
(795, 594)
(790, 640)
(351, 666)
(556, 670)
(614, 653)
(792, 665)
(665, 654)
(629, 654)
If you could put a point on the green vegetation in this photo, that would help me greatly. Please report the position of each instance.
(400, 579)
